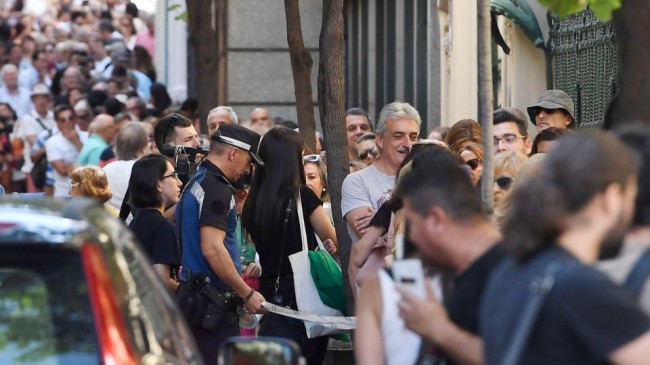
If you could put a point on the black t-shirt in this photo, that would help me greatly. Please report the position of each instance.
(584, 318)
(157, 236)
(269, 247)
(463, 305)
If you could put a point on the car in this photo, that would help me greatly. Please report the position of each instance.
(76, 288)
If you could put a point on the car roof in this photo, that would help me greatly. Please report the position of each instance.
(45, 220)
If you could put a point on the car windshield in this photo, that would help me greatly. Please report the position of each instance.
(45, 313)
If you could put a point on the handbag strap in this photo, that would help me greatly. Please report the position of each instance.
(638, 276)
(301, 221)
(287, 216)
(38, 119)
(539, 288)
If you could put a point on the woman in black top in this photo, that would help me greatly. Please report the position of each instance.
(153, 185)
(273, 190)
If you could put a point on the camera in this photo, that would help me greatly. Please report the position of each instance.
(6, 124)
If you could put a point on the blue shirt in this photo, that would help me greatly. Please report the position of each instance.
(92, 150)
(207, 201)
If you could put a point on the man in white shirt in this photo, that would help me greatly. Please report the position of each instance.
(63, 148)
(131, 143)
(31, 124)
(12, 93)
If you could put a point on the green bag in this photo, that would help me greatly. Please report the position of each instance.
(328, 278)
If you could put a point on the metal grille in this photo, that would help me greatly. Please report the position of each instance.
(585, 64)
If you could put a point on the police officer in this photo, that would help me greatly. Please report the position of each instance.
(206, 220)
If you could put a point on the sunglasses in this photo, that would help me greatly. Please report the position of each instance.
(371, 152)
(311, 158)
(473, 163)
(171, 123)
(173, 174)
(504, 182)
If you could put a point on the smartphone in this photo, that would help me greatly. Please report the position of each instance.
(408, 274)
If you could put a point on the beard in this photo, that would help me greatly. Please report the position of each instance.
(613, 241)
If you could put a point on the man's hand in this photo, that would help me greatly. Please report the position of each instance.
(426, 317)
(254, 303)
(253, 270)
(330, 246)
(362, 221)
(72, 136)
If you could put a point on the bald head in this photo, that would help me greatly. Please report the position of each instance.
(10, 75)
(262, 117)
(104, 126)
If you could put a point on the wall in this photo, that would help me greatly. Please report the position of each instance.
(259, 68)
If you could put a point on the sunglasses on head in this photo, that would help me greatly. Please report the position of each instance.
(504, 182)
(473, 163)
(311, 158)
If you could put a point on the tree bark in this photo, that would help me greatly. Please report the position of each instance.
(207, 34)
(331, 104)
(485, 103)
(301, 64)
(631, 102)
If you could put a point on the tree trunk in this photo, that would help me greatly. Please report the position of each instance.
(301, 64)
(631, 102)
(207, 34)
(331, 103)
(485, 103)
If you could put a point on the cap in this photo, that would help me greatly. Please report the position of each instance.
(553, 99)
(40, 89)
(240, 137)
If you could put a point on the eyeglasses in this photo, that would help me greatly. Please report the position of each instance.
(171, 123)
(173, 174)
(508, 138)
(473, 163)
(504, 182)
(311, 158)
(371, 152)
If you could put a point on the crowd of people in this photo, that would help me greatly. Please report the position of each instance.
(219, 214)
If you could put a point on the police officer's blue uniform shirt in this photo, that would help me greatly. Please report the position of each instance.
(207, 201)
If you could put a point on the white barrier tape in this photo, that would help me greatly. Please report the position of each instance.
(335, 322)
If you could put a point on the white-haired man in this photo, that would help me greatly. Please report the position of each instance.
(219, 116)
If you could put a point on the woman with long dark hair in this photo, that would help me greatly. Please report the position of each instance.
(274, 191)
(160, 99)
(154, 184)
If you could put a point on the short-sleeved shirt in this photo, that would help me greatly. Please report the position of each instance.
(463, 304)
(60, 148)
(583, 320)
(92, 150)
(270, 250)
(207, 201)
(366, 188)
(157, 236)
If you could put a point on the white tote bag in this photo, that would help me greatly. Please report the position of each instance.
(307, 296)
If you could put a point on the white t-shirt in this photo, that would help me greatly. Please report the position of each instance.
(118, 174)
(59, 148)
(28, 126)
(366, 188)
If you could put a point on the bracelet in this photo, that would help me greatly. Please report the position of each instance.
(249, 295)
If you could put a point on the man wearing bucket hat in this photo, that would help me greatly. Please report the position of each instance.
(206, 219)
(554, 109)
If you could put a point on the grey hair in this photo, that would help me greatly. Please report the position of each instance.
(396, 110)
(132, 138)
(229, 110)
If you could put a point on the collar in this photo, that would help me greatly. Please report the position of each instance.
(212, 168)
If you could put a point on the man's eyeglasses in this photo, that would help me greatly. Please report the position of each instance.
(504, 182)
(473, 163)
(371, 152)
(311, 158)
(173, 174)
(508, 138)
(171, 123)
